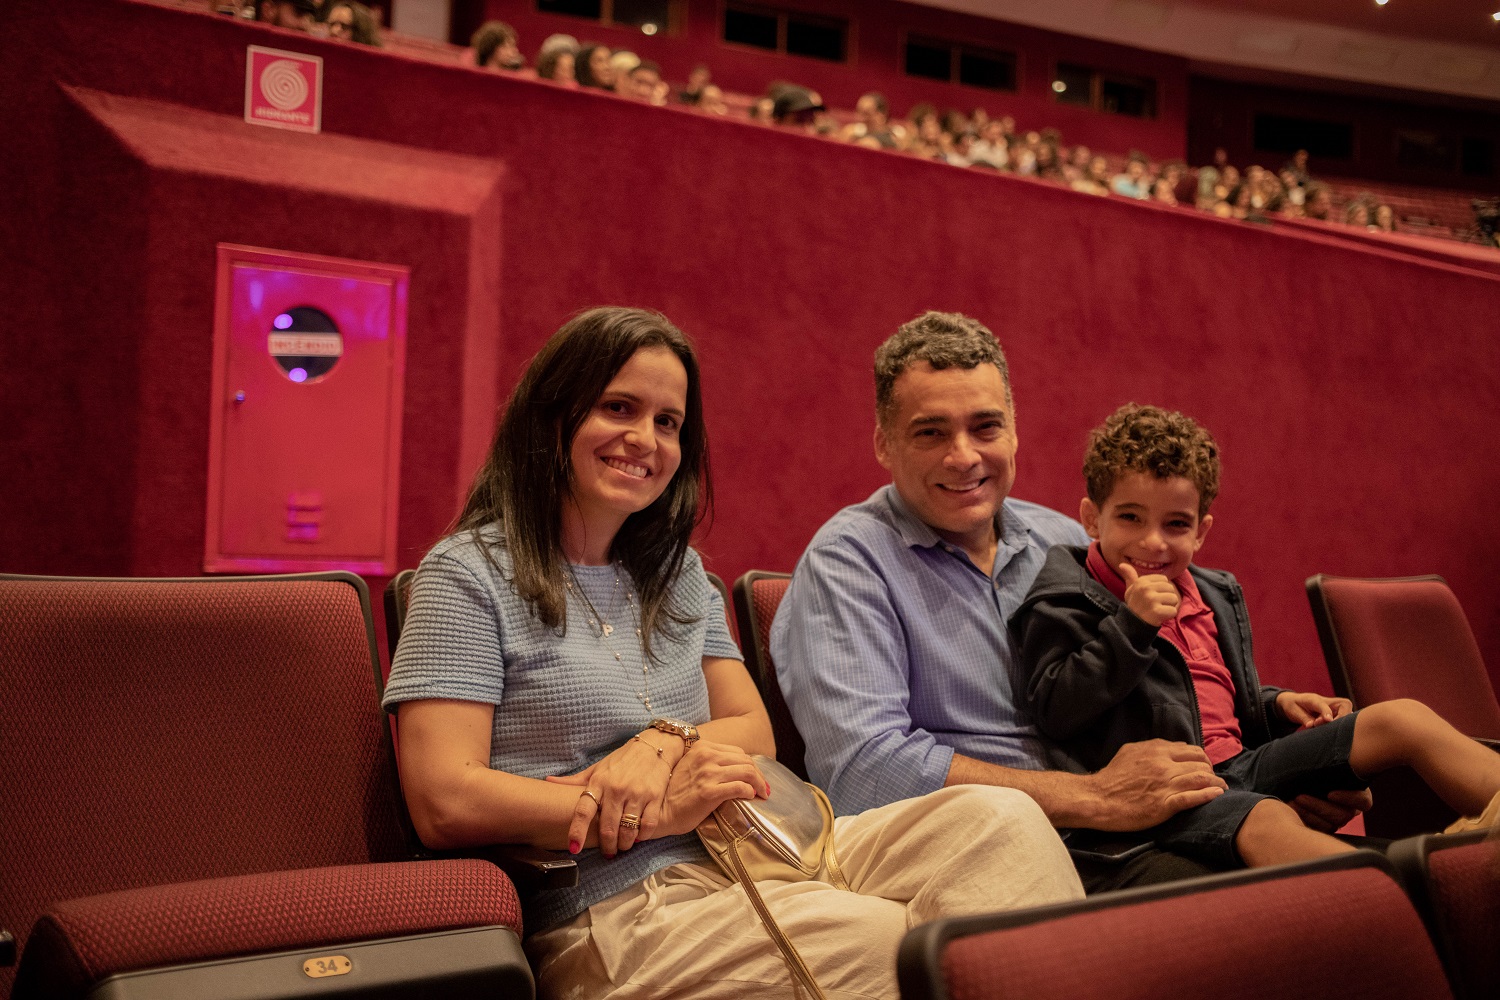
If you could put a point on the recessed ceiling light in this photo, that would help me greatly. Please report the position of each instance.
(1496, 15)
(1381, 3)
(1058, 86)
(648, 28)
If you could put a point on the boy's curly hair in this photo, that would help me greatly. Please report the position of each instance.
(1163, 443)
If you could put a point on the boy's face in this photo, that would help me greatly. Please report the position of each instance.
(1150, 523)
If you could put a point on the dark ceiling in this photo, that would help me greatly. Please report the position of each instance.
(1463, 22)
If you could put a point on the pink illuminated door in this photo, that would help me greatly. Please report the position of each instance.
(306, 425)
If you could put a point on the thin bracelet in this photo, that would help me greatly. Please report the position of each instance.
(659, 754)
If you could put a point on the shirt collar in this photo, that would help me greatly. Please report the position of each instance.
(1014, 532)
(1192, 601)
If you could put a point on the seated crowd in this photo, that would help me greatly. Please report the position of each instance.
(974, 139)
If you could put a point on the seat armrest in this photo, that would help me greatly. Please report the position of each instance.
(7, 949)
(1492, 744)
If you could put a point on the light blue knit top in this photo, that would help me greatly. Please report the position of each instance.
(562, 701)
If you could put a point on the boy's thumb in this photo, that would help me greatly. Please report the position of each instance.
(1128, 573)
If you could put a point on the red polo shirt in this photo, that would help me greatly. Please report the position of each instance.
(1196, 636)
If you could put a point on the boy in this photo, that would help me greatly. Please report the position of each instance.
(1127, 640)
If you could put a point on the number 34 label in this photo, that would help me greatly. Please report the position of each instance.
(330, 965)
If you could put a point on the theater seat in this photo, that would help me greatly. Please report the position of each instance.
(757, 595)
(1455, 883)
(1335, 928)
(1404, 637)
(200, 802)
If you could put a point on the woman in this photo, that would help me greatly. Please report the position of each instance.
(592, 67)
(349, 21)
(557, 65)
(565, 679)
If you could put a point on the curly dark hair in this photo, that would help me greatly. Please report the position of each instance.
(943, 340)
(1149, 439)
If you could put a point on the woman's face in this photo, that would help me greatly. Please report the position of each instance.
(562, 70)
(603, 72)
(627, 449)
(341, 23)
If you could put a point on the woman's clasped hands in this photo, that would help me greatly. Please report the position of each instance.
(637, 793)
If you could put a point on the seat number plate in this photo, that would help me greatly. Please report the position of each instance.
(329, 965)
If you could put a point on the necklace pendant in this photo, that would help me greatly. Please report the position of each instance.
(608, 630)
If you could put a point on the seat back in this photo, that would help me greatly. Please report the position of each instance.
(757, 595)
(1455, 883)
(1334, 929)
(1404, 638)
(156, 731)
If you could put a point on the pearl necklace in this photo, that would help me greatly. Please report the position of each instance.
(606, 629)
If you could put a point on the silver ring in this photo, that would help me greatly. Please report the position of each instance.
(597, 803)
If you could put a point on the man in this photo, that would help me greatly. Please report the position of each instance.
(644, 81)
(295, 14)
(891, 644)
(497, 47)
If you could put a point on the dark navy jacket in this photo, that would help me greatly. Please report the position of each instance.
(1097, 677)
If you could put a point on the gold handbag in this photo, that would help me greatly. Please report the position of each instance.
(788, 836)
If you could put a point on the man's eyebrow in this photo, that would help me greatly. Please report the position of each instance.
(929, 421)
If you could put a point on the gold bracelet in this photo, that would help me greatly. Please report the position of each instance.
(653, 747)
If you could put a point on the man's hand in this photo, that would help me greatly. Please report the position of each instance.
(1328, 815)
(1153, 598)
(1147, 783)
(1306, 710)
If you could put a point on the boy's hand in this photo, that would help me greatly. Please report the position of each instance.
(1305, 709)
(1152, 598)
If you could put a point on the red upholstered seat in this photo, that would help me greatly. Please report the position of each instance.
(1404, 637)
(194, 763)
(1334, 929)
(1455, 882)
(81, 941)
(757, 595)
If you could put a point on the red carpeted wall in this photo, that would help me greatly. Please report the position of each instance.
(1352, 389)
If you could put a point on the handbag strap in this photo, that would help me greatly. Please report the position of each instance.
(794, 962)
(830, 857)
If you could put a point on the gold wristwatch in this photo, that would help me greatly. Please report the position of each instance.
(677, 727)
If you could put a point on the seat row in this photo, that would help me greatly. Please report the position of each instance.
(201, 799)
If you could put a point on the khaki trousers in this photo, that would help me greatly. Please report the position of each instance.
(686, 931)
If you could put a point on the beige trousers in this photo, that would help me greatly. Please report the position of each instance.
(686, 931)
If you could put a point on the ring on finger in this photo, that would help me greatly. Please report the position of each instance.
(597, 803)
(630, 821)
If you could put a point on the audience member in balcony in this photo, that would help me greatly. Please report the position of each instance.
(1357, 213)
(762, 110)
(1208, 179)
(711, 100)
(1134, 181)
(1294, 192)
(874, 122)
(692, 92)
(1163, 191)
(566, 678)
(959, 149)
(1385, 218)
(1076, 164)
(1023, 153)
(351, 21)
(992, 148)
(796, 107)
(1095, 179)
(557, 64)
(1319, 202)
(642, 81)
(1297, 167)
(622, 61)
(1048, 165)
(497, 47)
(592, 67)
(299, 15)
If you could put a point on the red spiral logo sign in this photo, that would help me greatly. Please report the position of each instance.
(283, 85)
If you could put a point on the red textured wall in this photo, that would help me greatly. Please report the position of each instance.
(1351, 388)
(877, 40)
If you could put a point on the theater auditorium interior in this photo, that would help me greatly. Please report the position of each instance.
(271, 272)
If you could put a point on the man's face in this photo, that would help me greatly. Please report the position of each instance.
(950, 447)
(643, 84)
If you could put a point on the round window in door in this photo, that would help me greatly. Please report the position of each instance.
(305, 343)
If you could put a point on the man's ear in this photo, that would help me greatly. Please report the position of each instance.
(882, 455)
(1088, 513)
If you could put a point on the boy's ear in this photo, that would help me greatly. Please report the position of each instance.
(1088, 513)
(1204, 523)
